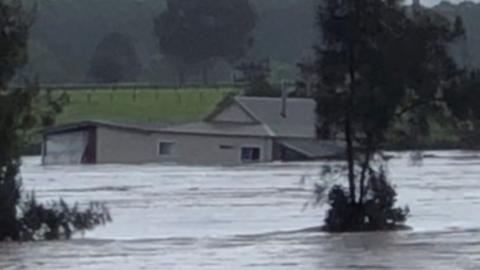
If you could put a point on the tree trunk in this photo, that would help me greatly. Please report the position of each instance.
(350, 111)
(365, 167)
(350, 152)
(349, 130)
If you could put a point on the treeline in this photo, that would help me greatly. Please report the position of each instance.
(67, 34)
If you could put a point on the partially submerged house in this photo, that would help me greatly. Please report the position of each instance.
(241, 130)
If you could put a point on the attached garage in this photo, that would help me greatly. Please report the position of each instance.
(70, 146)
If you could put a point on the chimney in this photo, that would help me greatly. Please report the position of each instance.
(284, 100)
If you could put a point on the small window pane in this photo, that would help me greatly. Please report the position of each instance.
(256, 154)
(165, 148)
(250, 154)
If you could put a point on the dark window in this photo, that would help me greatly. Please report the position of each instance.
(165, 148)
(250, 154)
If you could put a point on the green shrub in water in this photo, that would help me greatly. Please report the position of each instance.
(376, 212)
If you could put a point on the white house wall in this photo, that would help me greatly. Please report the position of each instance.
(122, 146)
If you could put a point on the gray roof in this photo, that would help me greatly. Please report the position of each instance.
(315, 149)
(204, 128)
(299, 122)
(148, 127)
(217, 128)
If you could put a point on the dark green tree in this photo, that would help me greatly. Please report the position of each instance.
(115, 60)
(198, 32)
(255, 79)
(22, 219)
(380, 63)
(13, 44)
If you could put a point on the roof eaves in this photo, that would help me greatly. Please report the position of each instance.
(87, 123)
(185, 132)
(269, 130)
(307, 154)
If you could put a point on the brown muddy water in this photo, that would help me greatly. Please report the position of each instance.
(252, 218)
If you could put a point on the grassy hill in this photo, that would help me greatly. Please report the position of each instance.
(140, 105)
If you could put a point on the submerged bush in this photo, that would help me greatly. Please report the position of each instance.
(58, 220)
(376, 212)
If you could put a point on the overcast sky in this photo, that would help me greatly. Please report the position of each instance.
(434, 2)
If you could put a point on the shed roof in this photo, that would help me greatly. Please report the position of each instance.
(315, 149)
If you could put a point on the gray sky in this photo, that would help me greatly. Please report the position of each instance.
(434, 2)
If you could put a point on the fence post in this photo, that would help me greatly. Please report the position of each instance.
(89, 95)
(112, 91)
(179, 97)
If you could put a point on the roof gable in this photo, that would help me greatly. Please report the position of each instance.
(230, 111)
(234, 113)
(300, 119)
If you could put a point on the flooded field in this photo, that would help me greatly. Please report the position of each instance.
(252, 218)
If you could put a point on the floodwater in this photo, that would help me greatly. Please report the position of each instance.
(253, 218)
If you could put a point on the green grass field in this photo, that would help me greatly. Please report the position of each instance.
(142, 105)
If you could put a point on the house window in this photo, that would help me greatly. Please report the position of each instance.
(250, 154)
(165, 148)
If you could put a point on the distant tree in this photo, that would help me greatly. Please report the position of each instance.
(380, 63)
(254, 76)
(197, 32)
(23, 218)
(115, 60)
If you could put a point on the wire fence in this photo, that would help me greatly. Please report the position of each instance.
(145, 86)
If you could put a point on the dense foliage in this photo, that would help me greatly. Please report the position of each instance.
(63, 41)
(377, 211)
(115, 60)
(380, 63)
(254, 76)
(197, 32)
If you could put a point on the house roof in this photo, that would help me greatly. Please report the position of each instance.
(299, 121)
(315, 149)
(199, 128)
(150, 127)
(219, 128)
(266, 113)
